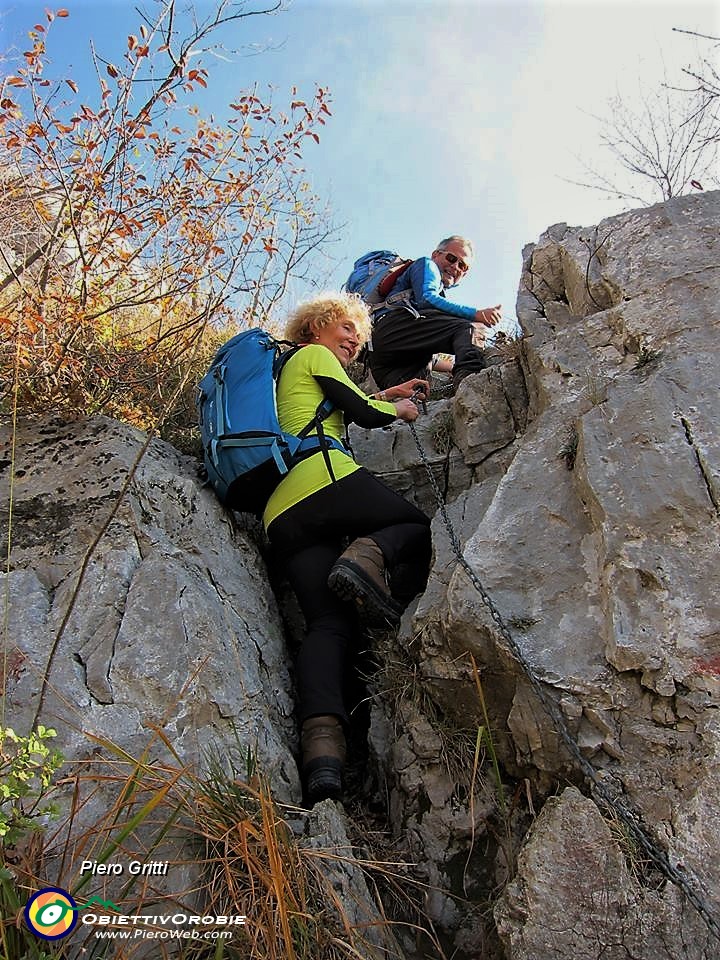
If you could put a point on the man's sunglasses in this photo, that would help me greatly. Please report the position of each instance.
(452, 259)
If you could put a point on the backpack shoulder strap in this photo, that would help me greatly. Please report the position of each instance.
(388, 281)
(389, 300)
(323, 411)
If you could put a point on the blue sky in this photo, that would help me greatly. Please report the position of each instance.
(449, 116)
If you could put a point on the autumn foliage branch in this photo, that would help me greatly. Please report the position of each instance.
(135, 232)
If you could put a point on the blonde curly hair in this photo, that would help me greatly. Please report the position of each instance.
(325, 310)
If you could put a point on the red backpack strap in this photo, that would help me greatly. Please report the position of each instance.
(388, 281)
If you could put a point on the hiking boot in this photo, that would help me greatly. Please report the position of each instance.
(323, 757)
(491, 357)
(360, 575)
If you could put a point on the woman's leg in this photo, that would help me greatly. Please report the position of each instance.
(360, 505)
(387, 562)
(321, 667)
(308, 540)
(331, 630)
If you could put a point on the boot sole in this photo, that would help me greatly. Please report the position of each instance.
(349, 583)
(323, 779)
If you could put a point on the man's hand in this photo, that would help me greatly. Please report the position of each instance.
(489, 316)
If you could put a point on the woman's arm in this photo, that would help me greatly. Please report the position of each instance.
(355, 405)
(358, 408)
(364, 411)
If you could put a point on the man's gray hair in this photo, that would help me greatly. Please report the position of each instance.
(455, 239)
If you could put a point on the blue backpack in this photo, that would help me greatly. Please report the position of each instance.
(374, 274)
(246, 452)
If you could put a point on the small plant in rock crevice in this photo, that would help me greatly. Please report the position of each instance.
(647, 357)
(569, 448)
(442, 435)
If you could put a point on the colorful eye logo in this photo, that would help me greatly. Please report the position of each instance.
(51, 913)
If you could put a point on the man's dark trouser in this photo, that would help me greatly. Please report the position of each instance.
(403, 346)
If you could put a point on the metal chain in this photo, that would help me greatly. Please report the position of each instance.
(631, 820)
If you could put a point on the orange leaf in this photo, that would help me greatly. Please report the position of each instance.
(73, 86)
(62, 13)
(112, 70)
(132, 42)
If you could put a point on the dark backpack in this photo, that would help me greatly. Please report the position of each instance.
(246, 452)
(374, 275)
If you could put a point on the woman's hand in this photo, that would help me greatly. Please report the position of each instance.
(406, 410)
(411, 388)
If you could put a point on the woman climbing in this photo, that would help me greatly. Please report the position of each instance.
(310, 518)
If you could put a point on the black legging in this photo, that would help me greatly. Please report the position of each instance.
(308, 538)
(403, 345)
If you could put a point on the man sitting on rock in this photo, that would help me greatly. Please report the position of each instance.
(418, 321)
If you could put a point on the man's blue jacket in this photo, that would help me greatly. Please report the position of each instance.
(424, 282)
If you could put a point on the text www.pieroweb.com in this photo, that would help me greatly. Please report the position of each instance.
(164, 934)
(156, 928)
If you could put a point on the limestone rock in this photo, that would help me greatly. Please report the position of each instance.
(582, 480)
(579, 895)
(168, 649)
(172, 625)
(597, 547)
(336, 860)
(490, 411)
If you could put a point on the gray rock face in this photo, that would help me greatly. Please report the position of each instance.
(392, 453)
(173, 624)
(580, 893)
(597, 542)
(168, 648)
